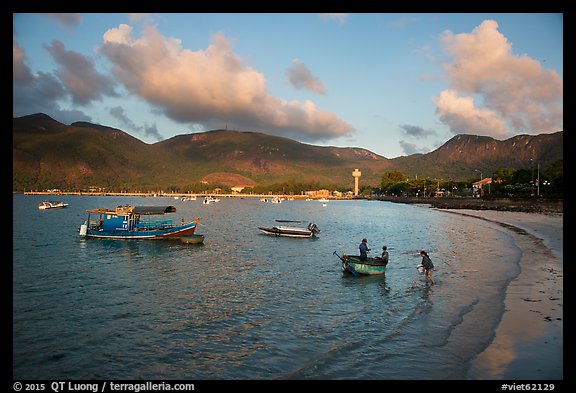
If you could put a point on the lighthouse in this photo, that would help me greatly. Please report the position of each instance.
(356, 175)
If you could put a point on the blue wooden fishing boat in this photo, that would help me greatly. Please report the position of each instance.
(134, 222)
(352, 264)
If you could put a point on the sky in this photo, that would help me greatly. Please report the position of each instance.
(394, 84)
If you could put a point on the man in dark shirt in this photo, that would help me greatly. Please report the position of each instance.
(384, 256)
(363, 250)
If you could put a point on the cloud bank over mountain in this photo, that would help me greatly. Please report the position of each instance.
(212, 87)
(494, 92)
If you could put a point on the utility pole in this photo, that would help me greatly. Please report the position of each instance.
(532, 179)
(481, 188)
(538, 181)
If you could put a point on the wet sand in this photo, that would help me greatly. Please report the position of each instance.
(528, 342)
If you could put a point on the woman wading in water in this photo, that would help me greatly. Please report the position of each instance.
(428, 266)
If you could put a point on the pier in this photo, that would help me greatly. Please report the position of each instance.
(178, 194)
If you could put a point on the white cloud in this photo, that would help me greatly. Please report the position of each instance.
(464, 118)
(78, 74)
(21, 74)
(146, 129)
(404, 21)
(67, 20)
(211, 86)
(338, 17)
(119, 35)
(515, 93)
(38, 92)
(416, 131)
(410, 148)
(301, 77)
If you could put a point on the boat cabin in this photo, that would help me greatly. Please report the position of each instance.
(128, 218)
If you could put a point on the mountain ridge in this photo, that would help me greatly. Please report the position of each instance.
(49, 154)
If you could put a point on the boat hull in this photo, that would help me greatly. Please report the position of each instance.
(52, 205)
(172, 233)
(125, 222)
(287, 231)
(371, 266)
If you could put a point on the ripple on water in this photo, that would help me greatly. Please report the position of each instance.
(245, 305)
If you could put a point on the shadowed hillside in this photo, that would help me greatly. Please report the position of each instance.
(49, 154)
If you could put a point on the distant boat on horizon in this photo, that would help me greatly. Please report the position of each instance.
(210, 199)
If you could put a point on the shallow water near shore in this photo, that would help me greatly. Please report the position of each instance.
(245, 305)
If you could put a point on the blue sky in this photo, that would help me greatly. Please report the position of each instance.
(395, 84)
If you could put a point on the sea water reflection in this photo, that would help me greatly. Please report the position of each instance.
(245, 305)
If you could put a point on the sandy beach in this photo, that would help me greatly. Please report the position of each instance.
(528, 343)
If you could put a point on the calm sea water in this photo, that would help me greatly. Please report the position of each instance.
(245, 305)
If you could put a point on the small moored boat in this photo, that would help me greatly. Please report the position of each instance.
(353, 264)
(210, 199)
(282, 230)
(133, 222)
(45, 205)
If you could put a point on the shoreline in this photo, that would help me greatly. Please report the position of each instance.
(528, 342)
(524, 204)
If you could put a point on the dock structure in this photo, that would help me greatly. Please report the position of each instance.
(177, 194)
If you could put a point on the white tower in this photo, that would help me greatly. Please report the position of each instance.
(356, 175)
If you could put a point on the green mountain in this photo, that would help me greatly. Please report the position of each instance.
(463, 155)
(48, 154)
